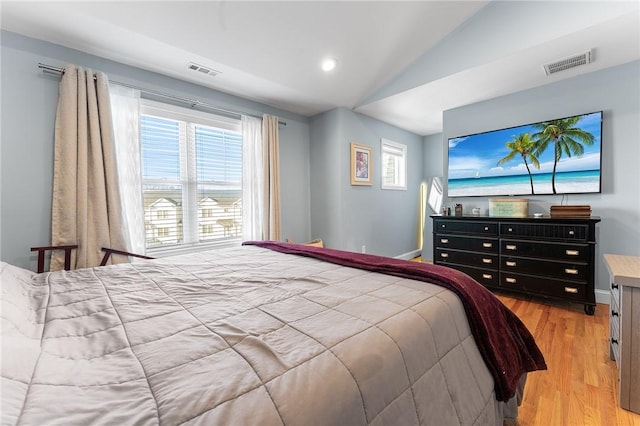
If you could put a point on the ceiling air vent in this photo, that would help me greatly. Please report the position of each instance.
(566, 63)
(203, 70)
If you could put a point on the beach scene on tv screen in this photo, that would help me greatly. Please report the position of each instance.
(553, 157)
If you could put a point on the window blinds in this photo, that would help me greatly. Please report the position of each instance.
(192, 178)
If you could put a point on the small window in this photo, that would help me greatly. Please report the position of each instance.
(394, 165)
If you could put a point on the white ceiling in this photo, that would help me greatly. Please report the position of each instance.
(400, 62)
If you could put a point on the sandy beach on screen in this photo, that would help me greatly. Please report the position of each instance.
(525, 189)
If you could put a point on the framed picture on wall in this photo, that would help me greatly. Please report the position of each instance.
(361, 164)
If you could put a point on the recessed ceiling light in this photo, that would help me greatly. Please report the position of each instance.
(329, 64)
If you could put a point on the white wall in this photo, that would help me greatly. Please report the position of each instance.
(616, 92)
(499, 30)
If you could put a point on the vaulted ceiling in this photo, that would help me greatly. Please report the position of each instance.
(400, 62)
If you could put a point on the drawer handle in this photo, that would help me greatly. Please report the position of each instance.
(510, 263)
(487, 276)
(443, 226)
(614, 286)
(614, 313)
(485, 260)
(614, 341)
(571, 271)
(444, 254)
(572, 252)
(510, 246)
(571, 290)
(487, 245)
(486, 228)
(571, 233)
(509, 229)
(510, 280)
(444, 240)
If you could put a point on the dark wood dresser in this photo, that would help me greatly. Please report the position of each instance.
(550, 257)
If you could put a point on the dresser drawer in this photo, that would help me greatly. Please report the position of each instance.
(614, 319)
(443, 226)
(614, 311)
(478, 260)
(551, 257)
(467, 243)
(615, 350)
(549, 250)
(545, 268)
(486, 277)
(615, 293)
(544, 286)
(614, 332)
(545, 231)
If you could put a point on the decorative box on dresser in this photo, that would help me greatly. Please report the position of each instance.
(624, 326)
(551, 257)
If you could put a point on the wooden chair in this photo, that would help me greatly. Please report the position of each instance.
(67, 255)
(42, 250)
(109, 251)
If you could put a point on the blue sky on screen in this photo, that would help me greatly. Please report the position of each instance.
(478, 155)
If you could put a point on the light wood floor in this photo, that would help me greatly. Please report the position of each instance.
(580, 385)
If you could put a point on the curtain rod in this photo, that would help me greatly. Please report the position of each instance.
(193, 102)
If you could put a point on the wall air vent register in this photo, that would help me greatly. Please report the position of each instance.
(568, 63)
(202, 69)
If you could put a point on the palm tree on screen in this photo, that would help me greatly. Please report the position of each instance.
(567, 139)
(524, 146)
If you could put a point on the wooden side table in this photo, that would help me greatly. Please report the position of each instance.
(624, 326)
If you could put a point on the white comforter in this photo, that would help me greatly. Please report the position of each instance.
(241, 336)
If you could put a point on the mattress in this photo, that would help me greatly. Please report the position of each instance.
(246, 335)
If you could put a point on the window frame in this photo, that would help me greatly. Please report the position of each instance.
(188, 172)
(400, 182)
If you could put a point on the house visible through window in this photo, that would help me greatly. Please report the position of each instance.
(191, 177)
(394, 165)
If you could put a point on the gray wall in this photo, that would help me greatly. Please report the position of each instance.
(434, 152)
(347, 217)
(615, 91)
(29, 99)
(317, 198)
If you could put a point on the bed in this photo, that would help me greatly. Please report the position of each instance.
(266, 333)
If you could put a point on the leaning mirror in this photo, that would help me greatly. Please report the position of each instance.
(435, 195)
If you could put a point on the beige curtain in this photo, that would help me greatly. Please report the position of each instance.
(271, 155)
(86, 207)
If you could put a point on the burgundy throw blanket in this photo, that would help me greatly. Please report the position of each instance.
(507, 346)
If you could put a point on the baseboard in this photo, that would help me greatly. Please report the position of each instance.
(410, 255)
(603, 296)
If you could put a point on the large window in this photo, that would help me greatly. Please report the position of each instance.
(191, 176)
(394, 165)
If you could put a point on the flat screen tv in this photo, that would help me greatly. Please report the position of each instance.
(559, 156)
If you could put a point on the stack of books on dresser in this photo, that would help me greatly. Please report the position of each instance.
(570, 211)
